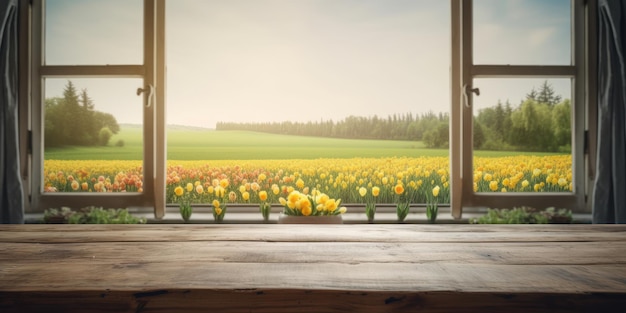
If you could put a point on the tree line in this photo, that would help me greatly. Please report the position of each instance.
(541, 122)
(394, 127)
(71, 120)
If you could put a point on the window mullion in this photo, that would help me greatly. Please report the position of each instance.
(580, 92)
(160, 157)
(466, 100)
(93, 70)
(504, 71)
(149, 48)
(456, 185)
(540, 201)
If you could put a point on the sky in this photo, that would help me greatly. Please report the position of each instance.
(303, 60)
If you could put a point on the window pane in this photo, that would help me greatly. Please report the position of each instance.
(327, 95)
(522, 135)
(93, 135)
(522, 32)
(80, 32)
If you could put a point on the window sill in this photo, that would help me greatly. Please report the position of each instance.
(172, 217)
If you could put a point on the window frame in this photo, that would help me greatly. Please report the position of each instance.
(33, 71)
(152, 73)
(465, 71)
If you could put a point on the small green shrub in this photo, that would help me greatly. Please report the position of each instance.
(525, 215)
(104, 136)
(119, 143)
(90, 215)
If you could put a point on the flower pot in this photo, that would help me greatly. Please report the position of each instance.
(323, 219)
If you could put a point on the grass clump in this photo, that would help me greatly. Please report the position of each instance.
(90, 215)
(525, 215)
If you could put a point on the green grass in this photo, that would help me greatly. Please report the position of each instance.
(192, 144)
(132, 150)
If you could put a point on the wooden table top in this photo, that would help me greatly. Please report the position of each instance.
(334, 268)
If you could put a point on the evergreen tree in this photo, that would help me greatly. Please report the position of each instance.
(479, 135)
(72, 125)
(547, 95)
(72, 120)
(532, 95)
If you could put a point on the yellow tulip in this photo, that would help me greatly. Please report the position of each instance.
(362, 191)
(375, 191)
(261, 177)
(436, 191)
(398, 189)
(493, 185)
(224, 183)
(300, 183)
(178, 190)
(199, 189)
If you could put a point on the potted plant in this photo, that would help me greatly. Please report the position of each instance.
(314, 208)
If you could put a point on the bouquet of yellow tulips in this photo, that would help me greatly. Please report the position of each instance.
(315, 204)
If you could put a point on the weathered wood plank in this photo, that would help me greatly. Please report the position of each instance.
(288, 300)
(286, 268)
(138, 275)
(314, 233)
(524, 228)
(514, 253)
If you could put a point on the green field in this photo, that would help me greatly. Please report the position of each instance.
(193, 144)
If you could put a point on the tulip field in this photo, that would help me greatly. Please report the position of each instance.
(242, 166)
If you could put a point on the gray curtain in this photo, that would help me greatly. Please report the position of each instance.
(609, 199)
(11, 193)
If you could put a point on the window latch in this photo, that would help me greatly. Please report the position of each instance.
(466, 97)
(150, 89)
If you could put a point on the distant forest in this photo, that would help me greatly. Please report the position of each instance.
(541, 122)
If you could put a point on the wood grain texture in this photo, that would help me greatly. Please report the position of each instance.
(312, 268)
(313, 233)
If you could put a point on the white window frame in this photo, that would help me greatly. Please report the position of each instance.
(152, 71)
(464, 71)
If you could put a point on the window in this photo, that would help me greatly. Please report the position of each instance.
(312, 91)
(82, 89)
(551, 59)
(290, 67)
